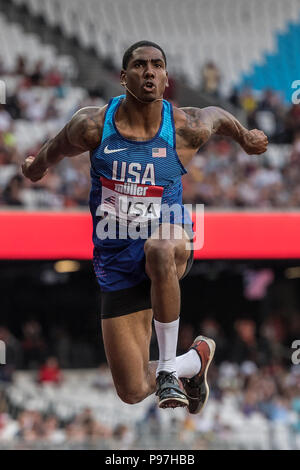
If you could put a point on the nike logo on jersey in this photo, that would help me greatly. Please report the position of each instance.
(107, 150)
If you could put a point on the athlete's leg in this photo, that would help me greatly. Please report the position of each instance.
(126, 341)
(127, 338)
(167, 253)
(165, 269)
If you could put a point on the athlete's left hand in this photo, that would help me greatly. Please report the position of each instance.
(254, 142)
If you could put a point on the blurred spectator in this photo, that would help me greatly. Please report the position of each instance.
(124, 436)
(50, 372)
(265, 112)
(13, 107)
(2, 67)
(292, 327)
(33, 344)
(250, 402)
(29, 426)
(5, 119)
(62, 344)
(292, 122)
(51, 111)
(246, 346)
(274, 331)
(51, 431)
(234, 97)
(210, 79)
(37, 75)
(103, 380)
(12, 194)
(93, 428)
(53, 78)
(13, 355)
(36, 111)
(296, 408)
(20, 68)
(248, 101)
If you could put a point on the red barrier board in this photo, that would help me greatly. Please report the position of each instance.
(231, 235)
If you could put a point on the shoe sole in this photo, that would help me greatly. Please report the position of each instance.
(212, 348)
(173, 403)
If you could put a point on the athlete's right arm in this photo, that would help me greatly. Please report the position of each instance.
(81, 134)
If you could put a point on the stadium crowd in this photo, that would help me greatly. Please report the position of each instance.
(220, 175)
(242, 396)
(253, 382)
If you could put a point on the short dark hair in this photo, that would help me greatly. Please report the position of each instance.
(128, 53)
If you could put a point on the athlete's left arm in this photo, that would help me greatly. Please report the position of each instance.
(201, 124)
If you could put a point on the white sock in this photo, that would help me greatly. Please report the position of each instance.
(189, 364)
(167, 336)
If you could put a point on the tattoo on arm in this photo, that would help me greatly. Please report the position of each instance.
(195, 132)
(83, 131)
(218, 121)
(202, 123)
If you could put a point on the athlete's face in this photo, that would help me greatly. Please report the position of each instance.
(146, 74)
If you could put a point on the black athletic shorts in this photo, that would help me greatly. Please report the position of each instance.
(133, 299)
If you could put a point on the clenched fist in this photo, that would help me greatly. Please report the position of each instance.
(33, 172)
(254, 142)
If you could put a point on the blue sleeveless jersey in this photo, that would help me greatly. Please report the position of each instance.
(132, 180)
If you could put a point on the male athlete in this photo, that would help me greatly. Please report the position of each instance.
(139, 146)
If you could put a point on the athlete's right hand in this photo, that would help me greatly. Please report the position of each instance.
(33, 172)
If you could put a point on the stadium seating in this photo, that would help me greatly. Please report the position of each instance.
(280, 68)
(192, 32)
(15, 42)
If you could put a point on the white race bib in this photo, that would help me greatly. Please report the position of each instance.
(131, 202)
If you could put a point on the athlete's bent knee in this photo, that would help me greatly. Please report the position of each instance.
(131, 398)
(160, 256)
